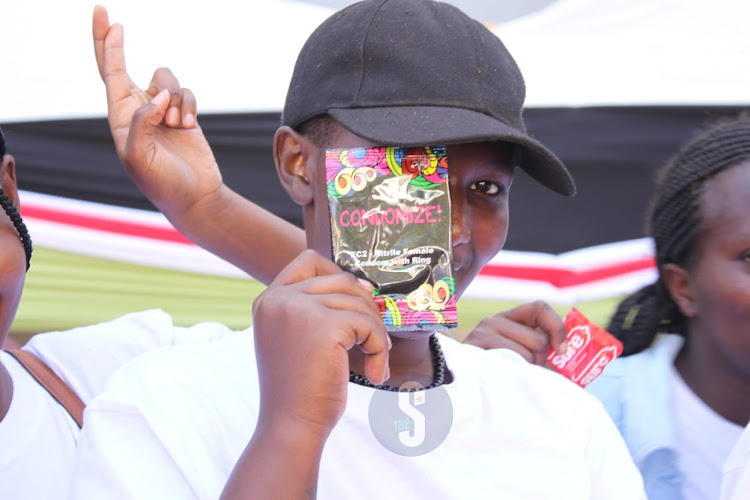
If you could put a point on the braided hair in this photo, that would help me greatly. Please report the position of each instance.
(13, 214)
(674, 223)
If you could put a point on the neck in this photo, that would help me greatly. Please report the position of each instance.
(407, 357)
(721, 383)
(6, 391)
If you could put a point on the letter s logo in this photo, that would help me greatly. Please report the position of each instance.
(404, 404)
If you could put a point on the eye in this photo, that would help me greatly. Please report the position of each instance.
(487, 187)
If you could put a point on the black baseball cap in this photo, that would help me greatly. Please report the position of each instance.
(416, 73)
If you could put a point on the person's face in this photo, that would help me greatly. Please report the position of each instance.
(480, 178)
(719, 271)
(12, 255)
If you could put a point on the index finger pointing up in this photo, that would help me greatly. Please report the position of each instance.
(110, 55)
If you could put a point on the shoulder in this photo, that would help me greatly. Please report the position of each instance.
(188, 401)
(636, 389)
(140, 330)
(180, 372)
(510, 397)
(85, 357)
(134, 331)
(36, 434)
(650, 364)
(190, 409)
(504, 376)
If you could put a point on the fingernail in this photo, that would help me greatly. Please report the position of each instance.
(173, 116)
(160, 97)
(189, 120)
(563, 349)
(366, 284)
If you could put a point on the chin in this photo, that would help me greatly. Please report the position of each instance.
(412, 334)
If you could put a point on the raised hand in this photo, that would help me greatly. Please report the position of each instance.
(305, 323)
(528, 329)
(161, 146)
(166, 154)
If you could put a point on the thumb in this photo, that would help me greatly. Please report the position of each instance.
(141, 142)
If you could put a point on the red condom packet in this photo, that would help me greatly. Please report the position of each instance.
(391, 225)
(590, 349)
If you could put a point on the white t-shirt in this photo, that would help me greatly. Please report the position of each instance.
(37, 436)
(736, 483)
(518, 431)
(704, 439)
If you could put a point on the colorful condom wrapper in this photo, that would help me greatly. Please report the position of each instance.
(590, 349)
(391, 225)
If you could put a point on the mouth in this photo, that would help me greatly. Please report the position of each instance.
(460, 263)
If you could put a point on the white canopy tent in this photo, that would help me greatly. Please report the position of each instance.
(626, 52)
(235, 56)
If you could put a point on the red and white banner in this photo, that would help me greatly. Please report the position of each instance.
(147, 238)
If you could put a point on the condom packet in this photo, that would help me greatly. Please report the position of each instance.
(391, 225)
(590, 349)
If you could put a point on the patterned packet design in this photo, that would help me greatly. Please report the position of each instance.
(391, 225)
(590, 349)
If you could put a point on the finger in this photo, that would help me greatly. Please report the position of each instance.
(540, 315)
(164, 79)
(310, 264)
(533, 340)
(189, 109)
(492, 331)
(340, 291)
(339, 282)
(143, 127)
(334, 302)
(520, 349)
(501, 333)
(100, 27)
(371, 338)
(377, 370)
(112, 66)
(358, 304)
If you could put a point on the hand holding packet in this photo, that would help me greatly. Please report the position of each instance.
(590, 349)
(391, 225)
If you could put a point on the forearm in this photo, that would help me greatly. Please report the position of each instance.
(239, 231)
(282, 462)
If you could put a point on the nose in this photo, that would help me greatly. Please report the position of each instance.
(460, 225)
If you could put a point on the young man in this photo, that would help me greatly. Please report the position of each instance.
(171, 162)
(285, 414)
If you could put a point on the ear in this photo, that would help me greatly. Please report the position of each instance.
(677, 280)
(8, 179)
(294, 156)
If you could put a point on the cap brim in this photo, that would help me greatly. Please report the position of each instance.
(433, 125)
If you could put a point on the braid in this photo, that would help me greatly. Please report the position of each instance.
(642, 315)
(675, 224)
(15, 217)
(13, 214)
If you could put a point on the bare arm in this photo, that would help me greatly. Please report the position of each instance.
(337, 314)
(164, 151)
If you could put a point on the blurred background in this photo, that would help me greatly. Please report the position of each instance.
(612, 87)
